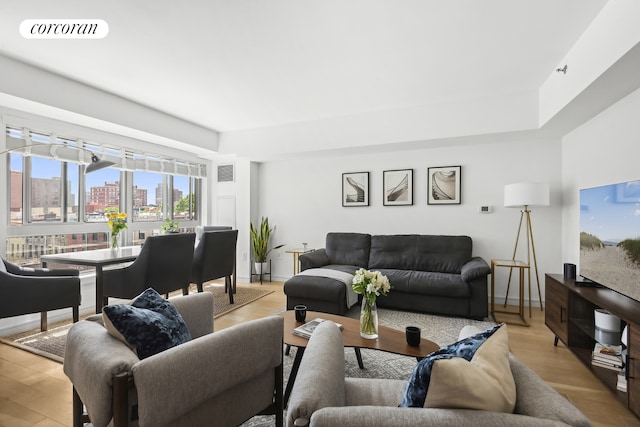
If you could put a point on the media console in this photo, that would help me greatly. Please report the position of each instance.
(569, 313)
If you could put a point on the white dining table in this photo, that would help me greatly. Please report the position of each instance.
(97, 258)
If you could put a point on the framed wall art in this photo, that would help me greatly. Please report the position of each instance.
(355, 189)
(398, 187)
(443, 185)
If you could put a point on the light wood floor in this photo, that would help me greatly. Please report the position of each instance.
(35, 392)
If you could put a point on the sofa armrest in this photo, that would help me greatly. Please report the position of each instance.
(213, 364)
(377, 416)
(40, 272)
(320, 381)
(475, 268)
(537, 399)
(92, 358)
(313, 259)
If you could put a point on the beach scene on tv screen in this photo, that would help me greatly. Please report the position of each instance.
(610, 236)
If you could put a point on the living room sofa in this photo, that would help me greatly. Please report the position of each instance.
(428, 273)
(323, 397)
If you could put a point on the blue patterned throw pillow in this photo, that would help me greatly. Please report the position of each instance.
(149, 325)
(416, 391)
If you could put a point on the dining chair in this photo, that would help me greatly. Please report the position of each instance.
(214, 257)
(164, 264)
(32, 290)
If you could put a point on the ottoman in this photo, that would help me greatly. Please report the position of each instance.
(317, 293)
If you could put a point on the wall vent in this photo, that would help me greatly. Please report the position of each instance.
(225, 173)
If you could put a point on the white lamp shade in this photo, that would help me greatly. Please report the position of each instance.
(526, 194)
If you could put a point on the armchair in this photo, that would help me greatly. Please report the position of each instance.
(322, 396)
(164, 264)
(214, 257)
(32, 290)
(222, 378)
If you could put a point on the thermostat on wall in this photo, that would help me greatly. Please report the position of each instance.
(485, 209)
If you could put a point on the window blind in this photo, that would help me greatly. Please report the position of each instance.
(31, 143)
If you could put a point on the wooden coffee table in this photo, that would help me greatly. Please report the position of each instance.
(389, 340)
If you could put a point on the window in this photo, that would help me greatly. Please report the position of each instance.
(72, 192)
(148, 193)
(184, 198)
(103, 194)
(46, 190)
(15, 189)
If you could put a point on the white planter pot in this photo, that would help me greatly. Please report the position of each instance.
(261, 267)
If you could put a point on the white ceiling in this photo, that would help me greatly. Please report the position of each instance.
(232, 65)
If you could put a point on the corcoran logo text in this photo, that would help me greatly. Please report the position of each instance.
(64, 29)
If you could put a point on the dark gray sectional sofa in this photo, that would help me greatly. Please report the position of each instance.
(428, 273)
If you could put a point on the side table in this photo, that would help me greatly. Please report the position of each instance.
(296, 258)
(511, 264)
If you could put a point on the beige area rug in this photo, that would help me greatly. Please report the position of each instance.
(51, 343)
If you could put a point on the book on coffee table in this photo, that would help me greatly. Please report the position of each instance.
(307, 329)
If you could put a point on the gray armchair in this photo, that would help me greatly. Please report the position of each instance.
(322, 396)
(215, 257)
(164, 264)
(218, 378)
(33, 290)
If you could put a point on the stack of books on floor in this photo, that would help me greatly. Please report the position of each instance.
(607, 356)
(622, 381)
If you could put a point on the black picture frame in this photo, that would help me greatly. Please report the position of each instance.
(397, 187)
(444, 185)
(355, 189)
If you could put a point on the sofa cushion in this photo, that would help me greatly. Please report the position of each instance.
(149, 325)
(427, 283)
(443, 254)
(473, 373)
(393, 252)
(348, 249)
(438, 284)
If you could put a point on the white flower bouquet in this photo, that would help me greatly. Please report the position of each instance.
(371, 284)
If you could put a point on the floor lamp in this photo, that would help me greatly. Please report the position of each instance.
(525, 195)
(96, 162)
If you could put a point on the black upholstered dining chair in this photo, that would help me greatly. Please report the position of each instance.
(164, 264)
(214, 257)
(32, 290)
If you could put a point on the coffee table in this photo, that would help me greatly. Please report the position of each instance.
(389, 340)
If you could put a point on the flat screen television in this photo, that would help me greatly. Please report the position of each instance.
(610, 236)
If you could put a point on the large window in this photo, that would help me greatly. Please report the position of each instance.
(55, 207)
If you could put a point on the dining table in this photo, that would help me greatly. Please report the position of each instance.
(98, 259)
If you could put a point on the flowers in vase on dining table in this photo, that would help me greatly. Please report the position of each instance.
(370, 284)
(116, 222)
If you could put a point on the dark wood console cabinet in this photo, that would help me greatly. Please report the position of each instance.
(569, 315)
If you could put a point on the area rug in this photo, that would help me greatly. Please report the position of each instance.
(50, 344)
(442, 330)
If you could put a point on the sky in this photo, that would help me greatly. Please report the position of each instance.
(611, 212)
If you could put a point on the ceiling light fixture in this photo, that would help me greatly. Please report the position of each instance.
(96, 162)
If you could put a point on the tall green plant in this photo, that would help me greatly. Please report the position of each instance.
(260, 240)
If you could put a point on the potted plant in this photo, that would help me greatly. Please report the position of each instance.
(260, 243)
(170, 226)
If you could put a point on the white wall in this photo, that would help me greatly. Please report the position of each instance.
(605, 150)
(302, 198)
